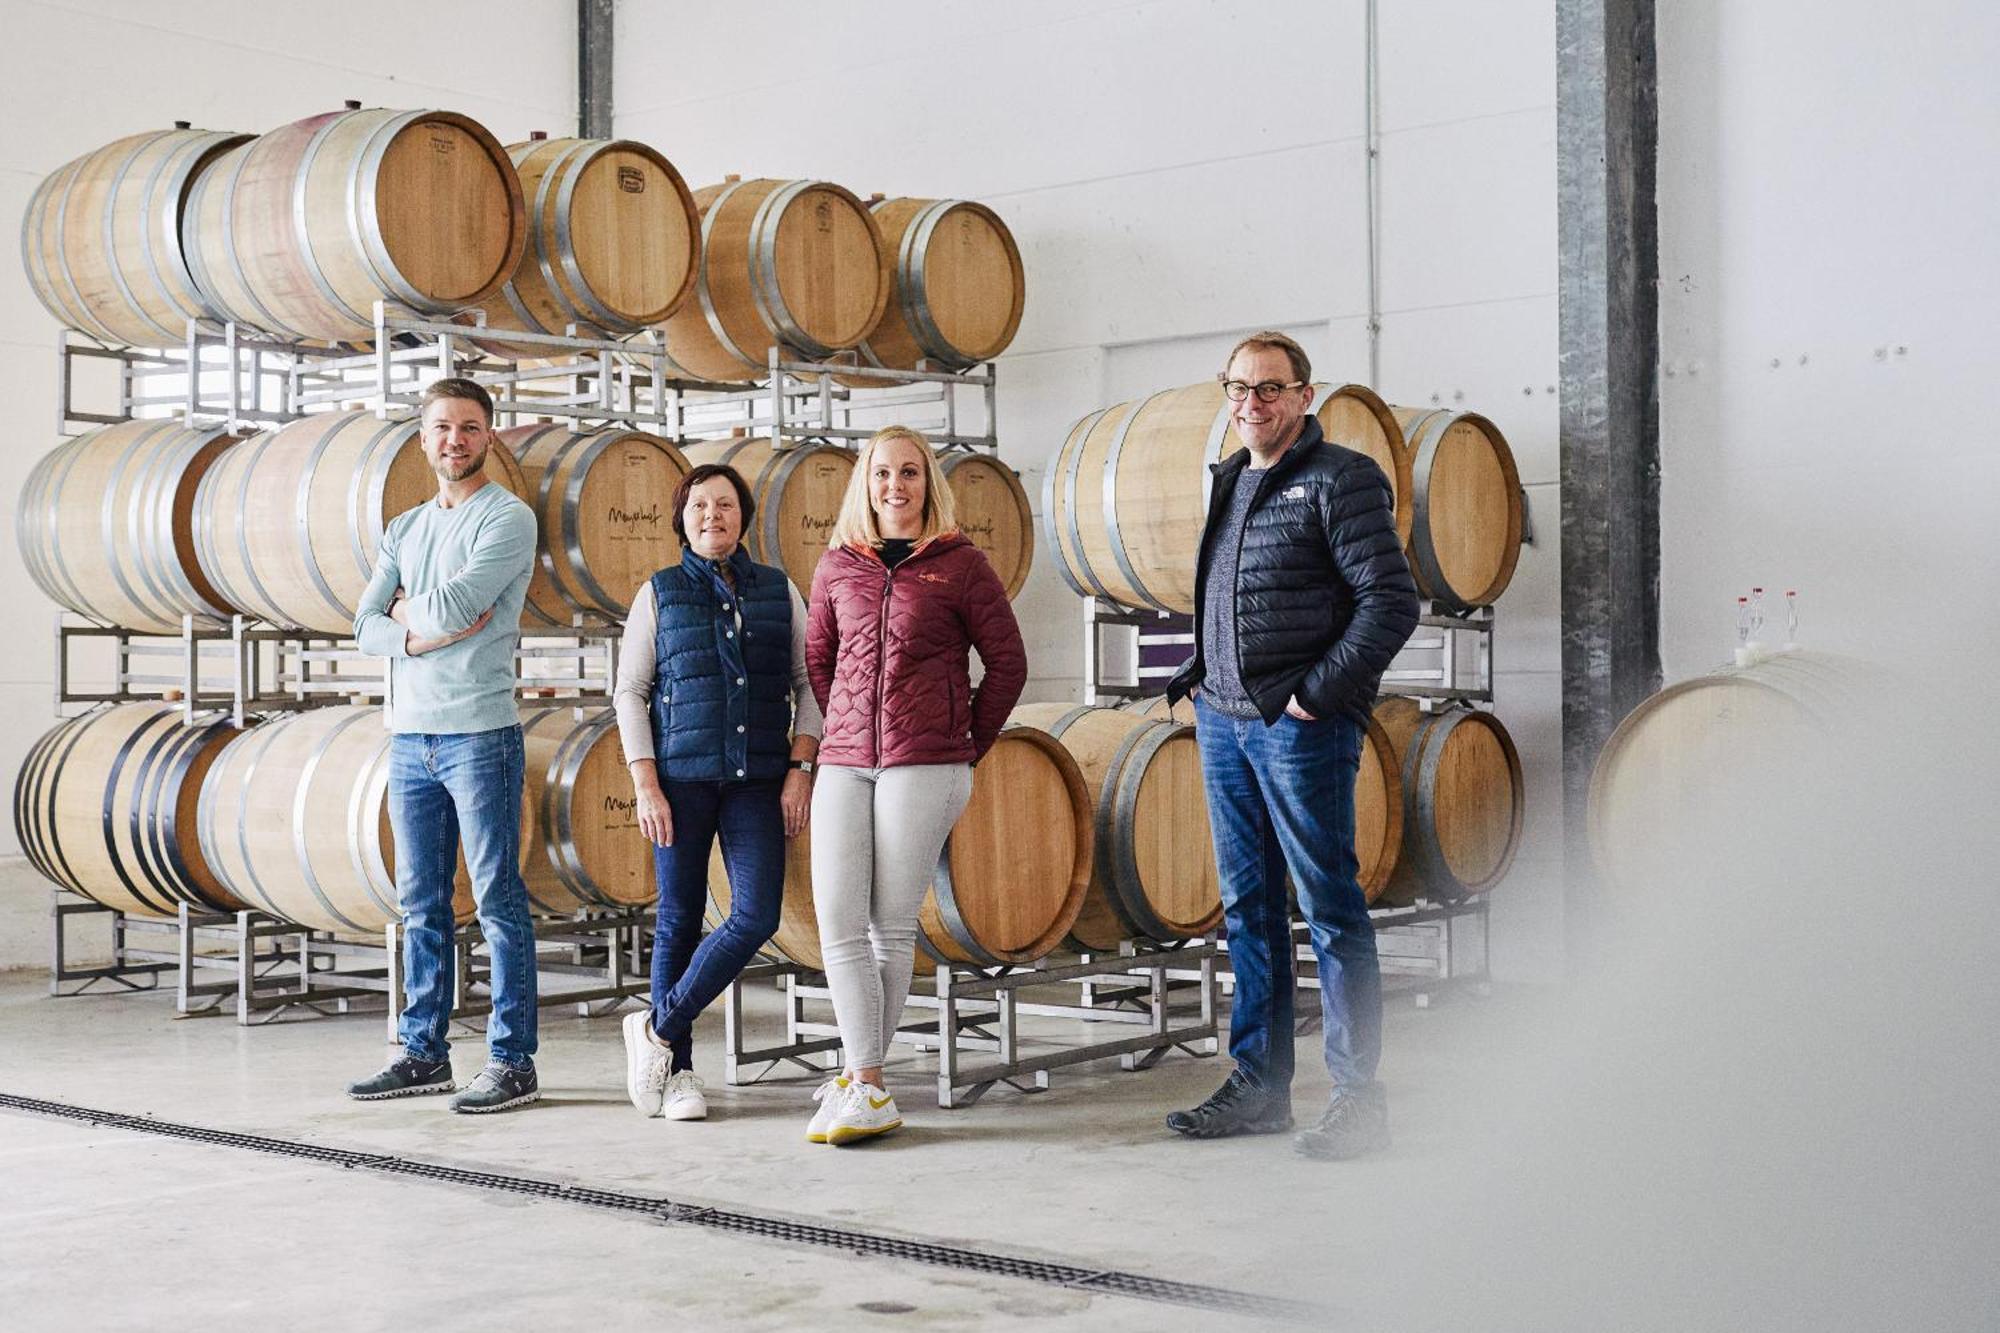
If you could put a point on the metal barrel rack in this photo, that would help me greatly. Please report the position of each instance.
(1167, 991)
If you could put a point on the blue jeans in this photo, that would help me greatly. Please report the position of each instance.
(1282, 797)
(442, 788)
(751, 824)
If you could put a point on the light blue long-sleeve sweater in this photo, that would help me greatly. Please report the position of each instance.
(452, 564)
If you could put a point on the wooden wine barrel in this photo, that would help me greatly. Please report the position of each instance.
(798, 492)
(287, 523)
(797, 264)
(1153, 874)
(613, 241)
(600, 499)
(580, 840)
(1676, 772)
(993, 511)
(1465, 536)
(300, 232)
(958, 286)
(105, 805)
(105, 524)
(1463, 800)
(1124, 500)
(294, 818)
(1002, 896)
(102, 237)
(1378, 795)
(798, 924)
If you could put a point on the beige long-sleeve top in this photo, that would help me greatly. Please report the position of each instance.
(638, 666)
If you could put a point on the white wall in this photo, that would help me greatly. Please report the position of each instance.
(1827, 188)
(81, 73)
(1177, 173)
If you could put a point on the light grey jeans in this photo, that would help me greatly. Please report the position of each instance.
(876, 835)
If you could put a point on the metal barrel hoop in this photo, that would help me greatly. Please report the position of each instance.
(1128, 771)
(108, 803)
(113, 261)
(302, 226)
(266, 606)
(579, 296)
(165, 830)
(142, 822)
(301, 852)
(366, 226)
(302, 516)
(596, 598)
(369, 794)
(1117, 540)
(1074, 470)
(570, 753)
(83, 317)
(703, 295)
(71, 734)
(1050, 531)
(259, 318)
(108, 524)
(765, 290)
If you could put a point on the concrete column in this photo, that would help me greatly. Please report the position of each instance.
(593, 82)
(1607, 121)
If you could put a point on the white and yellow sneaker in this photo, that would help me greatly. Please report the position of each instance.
(828, 1096)
(865, 1112)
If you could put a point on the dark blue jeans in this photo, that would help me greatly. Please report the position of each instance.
(751, 824)
(1282, 797)
(443, 789)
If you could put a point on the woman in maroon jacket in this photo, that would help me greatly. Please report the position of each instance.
(898, 601)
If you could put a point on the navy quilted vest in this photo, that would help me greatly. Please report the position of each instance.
(722, 695)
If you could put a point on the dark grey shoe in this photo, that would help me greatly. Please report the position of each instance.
(1356, 1123)
(407, 1077)
(498, 1088)
(1234, 1108)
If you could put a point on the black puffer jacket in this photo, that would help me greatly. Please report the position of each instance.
(1324, 597)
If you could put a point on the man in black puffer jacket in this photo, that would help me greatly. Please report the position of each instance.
(1302, 596)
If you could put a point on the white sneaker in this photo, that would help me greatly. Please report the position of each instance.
(646, 1063)
(865, 1112)
(684, 1100)
(827, 1095)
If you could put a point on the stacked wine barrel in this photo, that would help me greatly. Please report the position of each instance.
(996, 897)
(297, 234)
(1439, 797)
(1124, 500)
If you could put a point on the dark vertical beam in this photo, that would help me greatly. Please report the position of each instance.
(593, 68)
(1607, 136)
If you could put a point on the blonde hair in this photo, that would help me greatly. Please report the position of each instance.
(856, 524)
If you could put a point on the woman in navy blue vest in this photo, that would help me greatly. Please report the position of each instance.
(719, 728)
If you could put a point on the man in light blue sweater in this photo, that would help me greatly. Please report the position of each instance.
(444, 606)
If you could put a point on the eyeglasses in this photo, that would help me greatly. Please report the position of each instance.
(1267, 391)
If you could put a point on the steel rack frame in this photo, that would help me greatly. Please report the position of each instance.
(1460, 670)
(266, 670)
(277, 968)
(134, 967)
(978, 1011)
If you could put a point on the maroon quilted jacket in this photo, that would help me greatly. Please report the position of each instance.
(886, 651)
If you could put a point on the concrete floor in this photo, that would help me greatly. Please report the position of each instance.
(1081, 1174)
(1782, 1124)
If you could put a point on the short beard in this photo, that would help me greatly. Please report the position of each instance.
(471, 467)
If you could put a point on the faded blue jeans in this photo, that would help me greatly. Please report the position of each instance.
(443, 789)
(687, 976)
(1279, 797)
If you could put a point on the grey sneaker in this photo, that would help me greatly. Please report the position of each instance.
(498, 1088)
(1356, 1122)
(406, 1077)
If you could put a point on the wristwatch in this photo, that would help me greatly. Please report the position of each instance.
(803, 765)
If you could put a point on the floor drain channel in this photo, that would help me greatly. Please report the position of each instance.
(1074, 1278)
